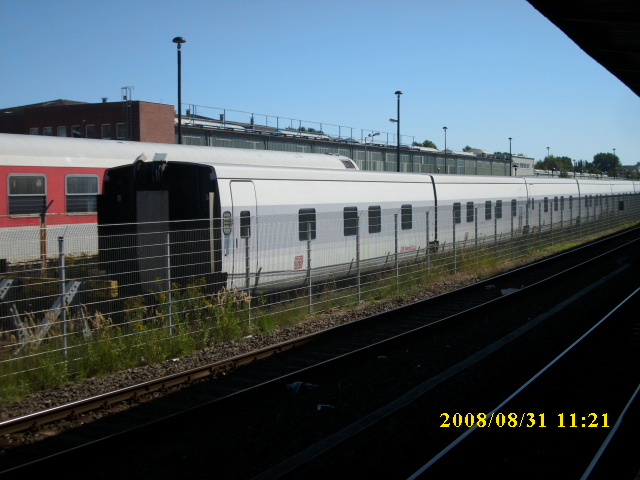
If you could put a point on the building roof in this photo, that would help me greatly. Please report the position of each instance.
(50, 103)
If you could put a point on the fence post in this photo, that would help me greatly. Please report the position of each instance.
(168, 267)
(63, 312)
(308, 226)
(455, 249)
(561, 222)
(512, 239)
(475, 221)
(395, 228)
(358, 260)
(428, 248)
(540, 224)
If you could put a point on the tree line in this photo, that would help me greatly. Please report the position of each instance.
(602, 164)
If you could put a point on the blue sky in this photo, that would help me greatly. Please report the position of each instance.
(486, 69)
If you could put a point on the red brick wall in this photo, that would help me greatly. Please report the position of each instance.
(157, 123)
(152, 122)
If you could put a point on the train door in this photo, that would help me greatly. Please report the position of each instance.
(245, 234)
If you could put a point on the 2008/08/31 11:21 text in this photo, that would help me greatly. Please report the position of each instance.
(528, 420)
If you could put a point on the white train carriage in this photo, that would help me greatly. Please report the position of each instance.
(602, 198)
(500, 204)
(279, 223)
(262, 228)
(553, 201)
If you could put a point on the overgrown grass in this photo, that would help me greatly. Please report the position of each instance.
(152, 329)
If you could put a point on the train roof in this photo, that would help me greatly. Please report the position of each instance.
(60, 151)
(262, 172)
(473, 179)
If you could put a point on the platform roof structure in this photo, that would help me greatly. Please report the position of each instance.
(607, 30)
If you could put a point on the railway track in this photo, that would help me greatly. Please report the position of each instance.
(299, 371)
(586, 398)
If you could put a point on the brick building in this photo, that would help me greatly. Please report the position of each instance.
(124, 120)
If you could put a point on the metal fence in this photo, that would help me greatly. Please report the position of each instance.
(142, 293)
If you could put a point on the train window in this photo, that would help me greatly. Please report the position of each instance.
(307, 224)
(487, 210)
(106, 131)
(470, 212)
(76, 131)
(375, 219)
(570, 202)
(81, 193)
(457, 212)
(406, 217)
(555, 204)
(34, 131)
(546, 204)
(533, 204)
(62, 131)
(48, 131)
(245, 224)
(350, 219)
(561, 203)
(27, 194)
(91, 131)
(498, 208)
(514, 207)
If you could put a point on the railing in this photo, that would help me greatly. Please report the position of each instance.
(224, 118)
(157, 291)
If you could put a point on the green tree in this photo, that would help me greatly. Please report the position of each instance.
(426, 143)
(562, 165)
(607, 162)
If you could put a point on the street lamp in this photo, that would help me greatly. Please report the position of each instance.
(445, 150)
(510, 157)
(398, 93)
(179, 41)
(366, 157)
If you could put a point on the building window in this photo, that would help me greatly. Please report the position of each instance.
(350, 218)
(48, 131)
(76, 132)
(27, 194)
(487, 210)
(106, 131)
(34, 131)
(307, 224)
(91, 131)
(406, 217)
(471, 214)
(375, 219)
(62, 131)
(81, 193)
(121, 131)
